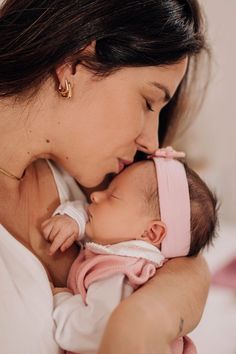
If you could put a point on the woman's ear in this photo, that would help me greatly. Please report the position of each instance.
(63, 73)
(154, 233)
(67, 70)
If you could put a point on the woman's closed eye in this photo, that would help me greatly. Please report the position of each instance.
(149, 105)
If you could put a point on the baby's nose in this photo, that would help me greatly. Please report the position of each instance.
(96, 197)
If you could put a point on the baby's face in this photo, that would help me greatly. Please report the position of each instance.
(120, 212)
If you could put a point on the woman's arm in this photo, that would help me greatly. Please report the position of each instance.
(169, 305)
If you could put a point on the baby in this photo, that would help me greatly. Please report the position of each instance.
(152, 211)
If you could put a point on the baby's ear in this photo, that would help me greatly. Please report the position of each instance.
(155, 232)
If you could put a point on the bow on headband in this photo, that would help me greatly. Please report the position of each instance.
(168, 152)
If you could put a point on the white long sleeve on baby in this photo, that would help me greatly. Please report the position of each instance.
(79, 327)
(77, 211)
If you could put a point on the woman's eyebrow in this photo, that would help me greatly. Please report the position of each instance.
(163, 88)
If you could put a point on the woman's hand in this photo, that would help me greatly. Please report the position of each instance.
(61, 230)
(168, 306)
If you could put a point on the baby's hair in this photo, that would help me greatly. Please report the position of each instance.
(204, 210)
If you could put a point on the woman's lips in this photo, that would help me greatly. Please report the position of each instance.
(123, 163)
(121, 166)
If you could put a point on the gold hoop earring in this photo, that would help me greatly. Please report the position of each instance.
(67, 90)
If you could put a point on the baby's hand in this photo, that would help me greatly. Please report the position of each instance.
(61, 230)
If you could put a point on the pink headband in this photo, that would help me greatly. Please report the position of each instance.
(174, 202)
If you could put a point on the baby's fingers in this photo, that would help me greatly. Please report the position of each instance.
(45, 222)
(68, 242)
(47, 227)
(57, 242)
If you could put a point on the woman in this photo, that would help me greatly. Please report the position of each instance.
(84, 83)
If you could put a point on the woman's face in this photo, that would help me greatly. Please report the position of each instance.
(107, 120)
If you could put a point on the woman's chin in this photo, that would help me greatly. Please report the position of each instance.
(89, 181)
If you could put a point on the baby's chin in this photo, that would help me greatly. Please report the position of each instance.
(103, 242)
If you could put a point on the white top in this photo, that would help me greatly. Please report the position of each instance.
(80, 326)
(26, 301)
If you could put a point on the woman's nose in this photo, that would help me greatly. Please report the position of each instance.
(148, 141)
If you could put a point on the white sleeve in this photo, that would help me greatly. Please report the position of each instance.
(77, 211)
(79, 327)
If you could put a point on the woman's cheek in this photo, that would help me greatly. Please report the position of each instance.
(133, 122)
(139, 123)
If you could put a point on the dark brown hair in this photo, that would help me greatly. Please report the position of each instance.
(204, 212)
(36, 36)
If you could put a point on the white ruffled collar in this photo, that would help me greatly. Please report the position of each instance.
(134, 248)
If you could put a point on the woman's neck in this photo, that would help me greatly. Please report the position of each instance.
(22, 135)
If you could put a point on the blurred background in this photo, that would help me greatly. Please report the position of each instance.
(210, 143)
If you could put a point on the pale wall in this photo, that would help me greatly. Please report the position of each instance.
(213, 135)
